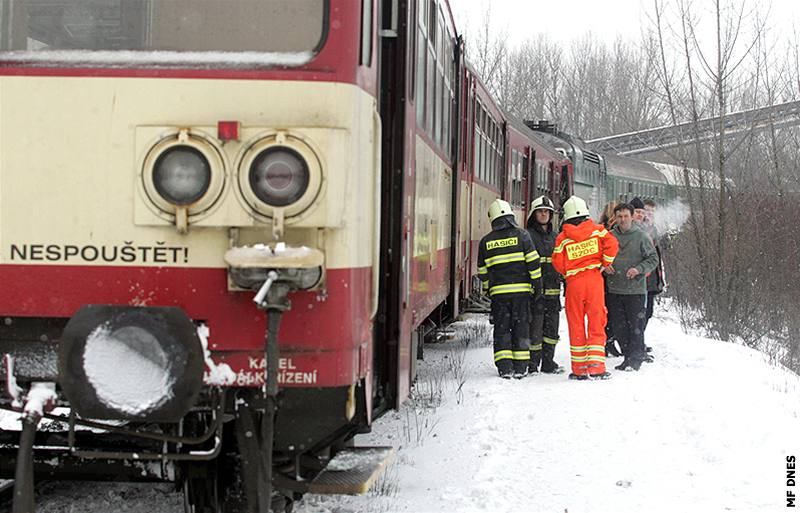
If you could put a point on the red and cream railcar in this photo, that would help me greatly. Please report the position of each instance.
(483, 173)
(162, 161)
(550, 170)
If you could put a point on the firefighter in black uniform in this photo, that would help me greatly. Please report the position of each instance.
(508, 266)
(545, 308)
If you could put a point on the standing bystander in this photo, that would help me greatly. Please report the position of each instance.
(627, 289)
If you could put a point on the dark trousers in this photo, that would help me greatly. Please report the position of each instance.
(609, 327)
(511, 334)
(651, 299)
(627, 316)
(544, 333)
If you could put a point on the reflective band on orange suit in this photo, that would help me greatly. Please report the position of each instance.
(585, 298)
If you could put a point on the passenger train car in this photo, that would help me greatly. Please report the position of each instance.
(601, 177)
(226, 229)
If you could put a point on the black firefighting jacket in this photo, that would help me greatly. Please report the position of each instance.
(508, 264)
(544, 240)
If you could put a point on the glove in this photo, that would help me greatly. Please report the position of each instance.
(537, 293)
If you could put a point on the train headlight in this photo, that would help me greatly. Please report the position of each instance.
(181, 175)
(119, 362)
(279, 176)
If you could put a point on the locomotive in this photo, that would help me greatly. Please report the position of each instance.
(227, 228)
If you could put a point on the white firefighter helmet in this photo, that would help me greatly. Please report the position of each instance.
(499, 208)
(542, 202)
(575, 207)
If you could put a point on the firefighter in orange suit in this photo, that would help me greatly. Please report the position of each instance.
(583, 249)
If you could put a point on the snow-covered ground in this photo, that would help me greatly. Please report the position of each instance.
(706, 427)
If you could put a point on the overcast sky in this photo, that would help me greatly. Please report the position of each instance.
(606, 19)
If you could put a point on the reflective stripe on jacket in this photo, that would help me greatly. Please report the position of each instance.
(508, 264)
(583, 247)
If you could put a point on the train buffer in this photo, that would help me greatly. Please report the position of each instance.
(352, 471)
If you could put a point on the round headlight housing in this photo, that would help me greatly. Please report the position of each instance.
(182, 175)
(183, 170)
(279, 176)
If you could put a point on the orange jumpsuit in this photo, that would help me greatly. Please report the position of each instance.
(581, 250)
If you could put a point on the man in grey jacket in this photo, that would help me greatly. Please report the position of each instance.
(627, 287)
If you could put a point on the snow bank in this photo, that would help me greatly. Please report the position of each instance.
(217, 374)
(165, 58)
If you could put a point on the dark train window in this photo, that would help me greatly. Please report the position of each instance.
(177, 25)
(421, 53)
(432, 21)
(429, 87)
(366, 32)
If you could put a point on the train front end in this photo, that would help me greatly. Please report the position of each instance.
(162, 165)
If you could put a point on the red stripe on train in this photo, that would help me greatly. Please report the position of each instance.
(327, 331)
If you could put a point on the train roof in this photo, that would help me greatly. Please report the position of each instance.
(537, 137)
(633, 168)
(675, 175)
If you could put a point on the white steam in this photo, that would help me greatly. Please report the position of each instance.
(671, 217)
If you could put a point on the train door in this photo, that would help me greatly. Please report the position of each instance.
(396, 65)
(554, 178)
(458, 156)
(566, 183)
(533, 181)
(467, 208)
(528, 192)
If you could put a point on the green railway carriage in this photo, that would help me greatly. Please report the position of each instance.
(627, 178)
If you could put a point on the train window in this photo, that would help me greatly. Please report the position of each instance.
(476, 159)
(487, 160)
(429, 88)
(448, 118)
(437, 106)
(432, 21)
(366, 32)
(484, 167)
(490, 157)
(421, 53)
(174, 26)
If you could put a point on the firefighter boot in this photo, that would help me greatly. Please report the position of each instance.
(611, 348)
(549, 366)
(536, 357)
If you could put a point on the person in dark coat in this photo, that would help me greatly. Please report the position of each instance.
(608, 219)
(508, 267)
(547, 305)
(655, 280)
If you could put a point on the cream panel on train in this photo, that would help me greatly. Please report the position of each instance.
(78, 182)
(432, 204)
